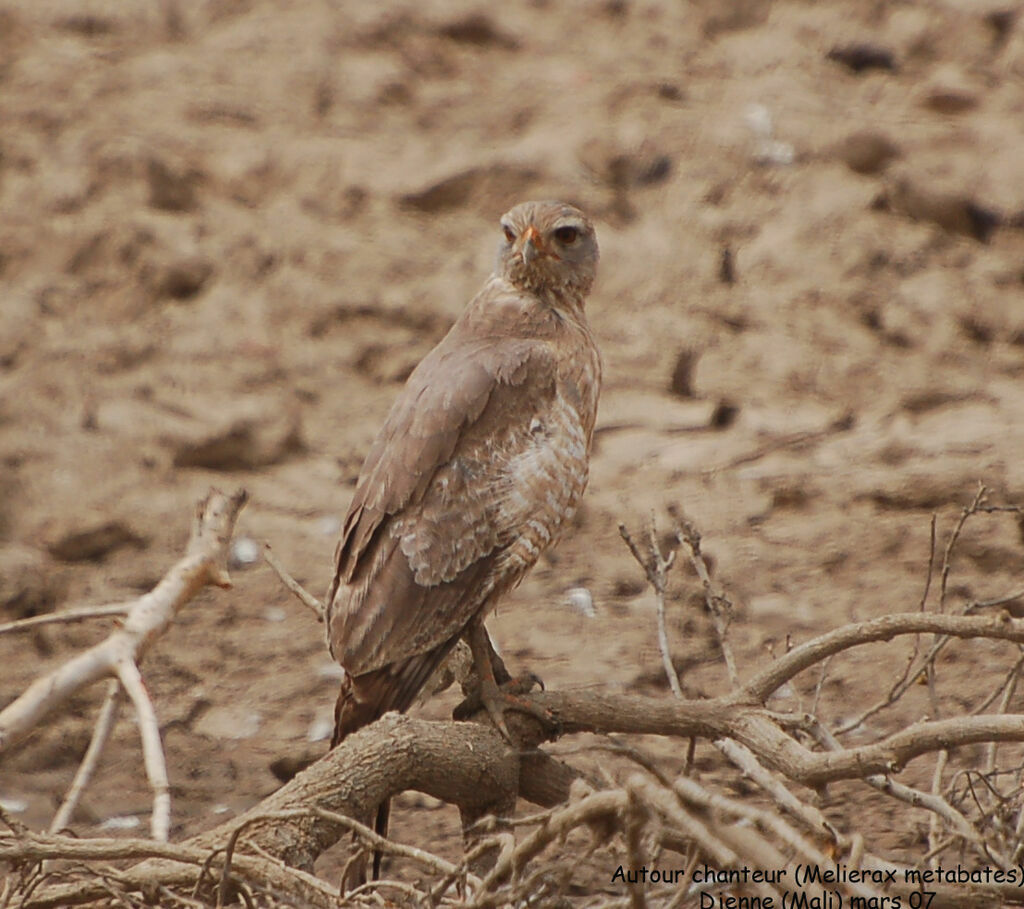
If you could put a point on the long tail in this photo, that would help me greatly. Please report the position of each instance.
(365, 698)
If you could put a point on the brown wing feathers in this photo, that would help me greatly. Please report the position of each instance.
(417, 557)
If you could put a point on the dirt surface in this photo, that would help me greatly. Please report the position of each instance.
(229, 230)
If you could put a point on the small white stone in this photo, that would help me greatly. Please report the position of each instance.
(329, 526)
(331, 671)
(244, 552)
(13, 804)
(321, 728)
(274, 614)
(220, 809)
(229, 723)
(767, 149)
(581, 600)
(121, 822)
(775, 152)
(759, 121)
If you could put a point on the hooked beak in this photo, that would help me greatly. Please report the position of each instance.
(530, 245)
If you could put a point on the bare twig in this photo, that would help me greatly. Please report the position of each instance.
(119, 654)
(883, 628)
(146, 618)
(72, 615)
(932, 802)
(1009, 688)
(931, 562)
(152, 748)
(100, 735)
(934, 821)
(995, 601)
(977, 504)
(303, 595)
(719, 606)
(809, 817)
(656, 567)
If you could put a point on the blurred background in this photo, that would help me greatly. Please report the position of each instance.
(229, 230)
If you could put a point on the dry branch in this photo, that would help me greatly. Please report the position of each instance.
(884, 628)
(70, 615)
(272, 848)
(656, 567)
(301, 594)
(101, 732)
(465, 764)
(118, 656)
(470, 765)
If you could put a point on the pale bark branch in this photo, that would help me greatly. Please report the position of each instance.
(118, 656)
(100, 735)
(656, 567)
(152, 748)
(145, 619)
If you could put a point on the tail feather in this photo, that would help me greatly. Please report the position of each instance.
(367, 697)
(381, 826)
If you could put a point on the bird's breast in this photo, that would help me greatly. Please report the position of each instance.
(544, 481)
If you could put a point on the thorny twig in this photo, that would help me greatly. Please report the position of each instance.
(978, 503)
(914, 668)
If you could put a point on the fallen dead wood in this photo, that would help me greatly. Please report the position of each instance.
(118, 656)
(465, 764)
(271, 849)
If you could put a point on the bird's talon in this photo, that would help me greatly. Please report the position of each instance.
(497, 699)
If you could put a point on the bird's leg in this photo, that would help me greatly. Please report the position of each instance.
(490, 696)
(501, 675)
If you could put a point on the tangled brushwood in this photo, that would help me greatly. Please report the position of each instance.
(756, 826)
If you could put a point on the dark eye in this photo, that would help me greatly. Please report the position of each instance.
(567, 235)
(510, 234)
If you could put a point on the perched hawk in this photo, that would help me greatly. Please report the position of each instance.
(478, 468)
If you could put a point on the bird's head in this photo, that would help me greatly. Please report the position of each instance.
(548, 247)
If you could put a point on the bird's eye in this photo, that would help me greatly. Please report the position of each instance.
(510, 234)
(567, 235)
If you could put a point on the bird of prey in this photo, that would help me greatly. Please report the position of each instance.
(479, 466)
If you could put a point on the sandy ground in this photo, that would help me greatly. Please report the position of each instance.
(229, 230)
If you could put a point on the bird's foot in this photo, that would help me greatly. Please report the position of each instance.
(497, 699)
